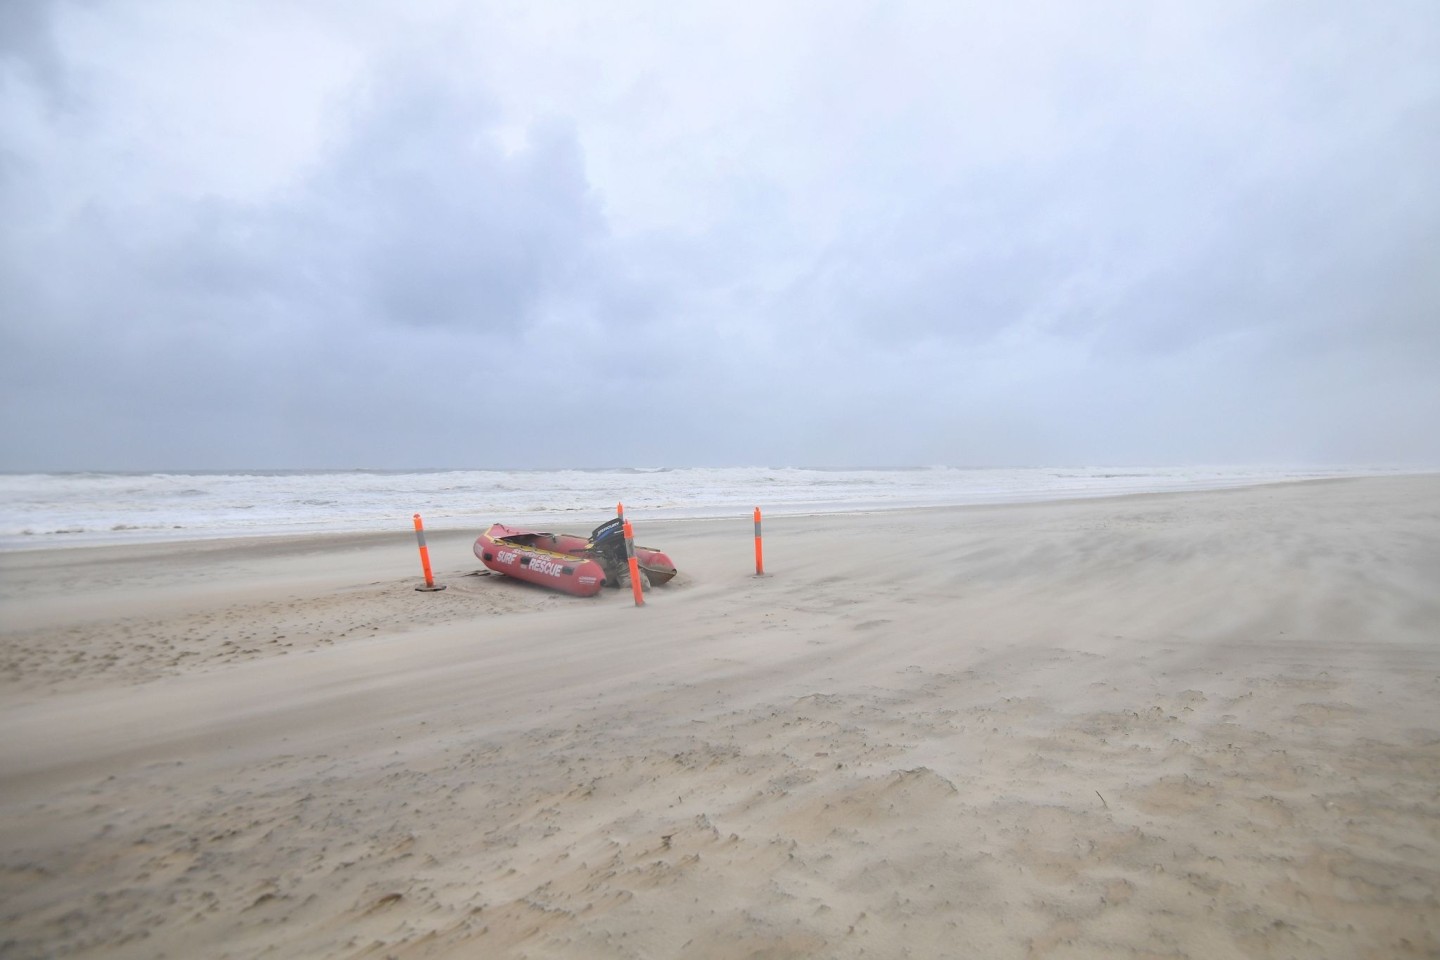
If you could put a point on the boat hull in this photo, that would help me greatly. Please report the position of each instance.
(542, 561)
(558, 561)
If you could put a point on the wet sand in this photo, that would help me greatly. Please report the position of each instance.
(1191, 725)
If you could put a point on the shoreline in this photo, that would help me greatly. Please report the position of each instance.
(182, 541)
(162, 508)
(1183, 723)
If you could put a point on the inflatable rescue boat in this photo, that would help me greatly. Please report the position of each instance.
(569, 563)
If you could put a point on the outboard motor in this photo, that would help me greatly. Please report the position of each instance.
(607, 545)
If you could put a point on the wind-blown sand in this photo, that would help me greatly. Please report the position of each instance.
(1194, 725)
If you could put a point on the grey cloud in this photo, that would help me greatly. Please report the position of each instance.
(444, 227)
(27, 40)
(221, 312)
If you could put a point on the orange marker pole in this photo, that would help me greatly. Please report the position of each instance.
(425, 557)
(759, 552)
(620, 510)
(634, 564)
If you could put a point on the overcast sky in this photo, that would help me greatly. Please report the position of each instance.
(376, 234)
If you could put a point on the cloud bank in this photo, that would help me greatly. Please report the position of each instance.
(248, 236)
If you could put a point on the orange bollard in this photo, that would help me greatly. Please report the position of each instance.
(634, 565)
(425, 558)
(759, 552)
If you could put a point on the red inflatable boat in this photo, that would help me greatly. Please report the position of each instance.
(569, 563)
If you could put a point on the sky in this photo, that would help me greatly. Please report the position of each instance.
(444, 233)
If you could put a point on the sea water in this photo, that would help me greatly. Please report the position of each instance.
(55, 509)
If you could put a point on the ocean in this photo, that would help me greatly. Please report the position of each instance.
(56, 509)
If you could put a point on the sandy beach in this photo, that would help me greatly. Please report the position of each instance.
(1199, 725)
